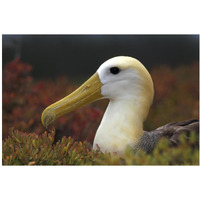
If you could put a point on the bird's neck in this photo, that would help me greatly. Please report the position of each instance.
(121, 126)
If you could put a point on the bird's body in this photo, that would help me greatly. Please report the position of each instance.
(129, 87)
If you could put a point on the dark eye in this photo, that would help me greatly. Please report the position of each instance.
(114, 70)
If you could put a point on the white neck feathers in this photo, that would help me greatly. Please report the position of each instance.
(121, 126)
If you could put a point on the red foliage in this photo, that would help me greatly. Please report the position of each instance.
(164, 80)
(24, 100)
(176, 95)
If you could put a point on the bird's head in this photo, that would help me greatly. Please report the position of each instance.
(120, 78)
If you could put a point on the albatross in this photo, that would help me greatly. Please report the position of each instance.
(129, 87)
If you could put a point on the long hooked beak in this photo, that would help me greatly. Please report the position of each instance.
(89, 92)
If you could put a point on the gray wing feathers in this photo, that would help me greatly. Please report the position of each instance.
(171, 131)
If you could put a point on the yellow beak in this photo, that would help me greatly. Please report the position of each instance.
(88, 92)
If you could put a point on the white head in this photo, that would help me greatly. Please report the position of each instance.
(125, 78)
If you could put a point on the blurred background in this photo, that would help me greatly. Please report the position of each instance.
(80, 55)
(40, 69)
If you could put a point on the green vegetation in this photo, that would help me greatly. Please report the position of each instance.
(33, 149)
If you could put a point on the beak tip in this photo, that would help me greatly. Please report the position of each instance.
(47, 118)
(45, 125)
